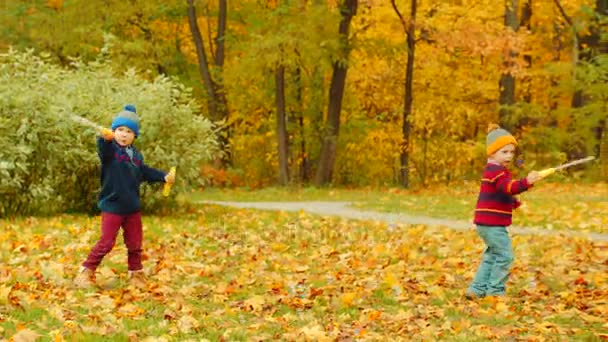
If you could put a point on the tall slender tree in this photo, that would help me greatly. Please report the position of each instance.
(507, 80)
(217, 103)
(348, 9)
(408, 97)
(281, 124)
(526, 21)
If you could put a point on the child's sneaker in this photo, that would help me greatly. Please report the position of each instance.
(138, 279)
(85, 278)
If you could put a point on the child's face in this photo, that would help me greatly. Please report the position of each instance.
(124, 136)
(504, 156)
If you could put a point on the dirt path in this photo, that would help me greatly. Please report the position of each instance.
(343, 209)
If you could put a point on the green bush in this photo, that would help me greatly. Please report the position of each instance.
(48, 163)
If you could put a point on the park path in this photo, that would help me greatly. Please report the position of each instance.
(343, 209)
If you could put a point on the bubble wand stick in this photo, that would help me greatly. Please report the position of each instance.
(546, 172)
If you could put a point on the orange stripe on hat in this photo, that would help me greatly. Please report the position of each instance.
(498, 138)
(500, 143)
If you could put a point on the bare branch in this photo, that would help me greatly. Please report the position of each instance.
(209, 38)
(561, 9)
(399, 15)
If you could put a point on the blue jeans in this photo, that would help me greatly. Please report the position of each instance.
(495, 264)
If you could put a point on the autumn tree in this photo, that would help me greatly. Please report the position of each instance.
(282, 135)
(348, 9)
(590, 49)
(408, 98)
(211, 72)
(507, 80)
(286, 60)
(314, 110)
(526, 22)
(141, 35)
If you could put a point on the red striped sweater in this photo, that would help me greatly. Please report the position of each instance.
(496, 199)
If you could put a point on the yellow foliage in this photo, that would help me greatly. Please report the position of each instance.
(55, 4)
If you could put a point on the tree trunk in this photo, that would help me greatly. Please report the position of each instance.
(526, 21)
(315, 111)
(604, 151)
(303, 155)
(281, 124)
(216, 102)
(220, 39)
(507, 81)
(220, 92)
(408, 98)
(203, 66)
(558, 47)
(330, 139)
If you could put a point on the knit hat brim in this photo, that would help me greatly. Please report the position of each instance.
(122, 121)
(500, 143)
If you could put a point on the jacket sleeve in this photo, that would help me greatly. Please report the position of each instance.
(152, 175)
(509, 186)
(105, 150)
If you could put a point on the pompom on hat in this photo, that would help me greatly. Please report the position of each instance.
(498, 138)
(128, 118)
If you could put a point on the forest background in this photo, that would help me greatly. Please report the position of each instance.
(351, 93)
(369, 101)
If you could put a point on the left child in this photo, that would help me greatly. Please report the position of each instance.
(122, 171)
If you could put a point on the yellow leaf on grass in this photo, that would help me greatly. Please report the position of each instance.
(461, 325)
(315, 333)
(390, 279)
(161, 339)
(221, 287)
(187, 323)
(25, 335)
(131, 310)
(302, 268)
(591, 318)
(57, 337)
(279, 247)
(374, 315)
(255, 303)
(4, 292)
(501, 307)
(348, 298)
(545, 327)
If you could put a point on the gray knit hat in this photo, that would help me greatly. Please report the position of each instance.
(127, 117)
(498, 138)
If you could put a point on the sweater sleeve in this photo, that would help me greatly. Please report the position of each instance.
(104, 150)
(152, 175)
(506, 185)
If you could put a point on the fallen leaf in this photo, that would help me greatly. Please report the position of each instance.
(25, 335)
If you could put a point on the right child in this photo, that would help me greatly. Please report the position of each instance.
(493, 212)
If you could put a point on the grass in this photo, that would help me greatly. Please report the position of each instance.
(554, 206)
(220, 273)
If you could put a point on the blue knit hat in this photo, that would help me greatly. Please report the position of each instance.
(128, 118)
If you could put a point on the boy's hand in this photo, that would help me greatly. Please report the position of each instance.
(533, 177)
(170, 178)
(107, 134)
(516, 204)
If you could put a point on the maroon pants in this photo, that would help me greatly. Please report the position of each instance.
(131, 232)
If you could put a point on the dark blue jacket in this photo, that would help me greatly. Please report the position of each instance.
(121, 177)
